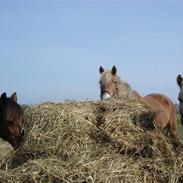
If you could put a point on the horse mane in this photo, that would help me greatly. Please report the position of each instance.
(12, 109)
(123, 88)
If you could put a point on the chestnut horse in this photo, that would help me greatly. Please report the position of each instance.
(180, 96)
(11, 120)
(112, 86)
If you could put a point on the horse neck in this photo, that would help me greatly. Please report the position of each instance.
(181, 92)
(123, 89)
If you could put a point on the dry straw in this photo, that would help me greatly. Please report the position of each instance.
(111, 141)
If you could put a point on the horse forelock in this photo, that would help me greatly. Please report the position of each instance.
(106, 77)
(12, 110)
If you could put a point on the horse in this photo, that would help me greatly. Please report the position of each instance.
(11, 120)
(112, 86)
(180, 95)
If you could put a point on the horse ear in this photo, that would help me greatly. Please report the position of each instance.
(114, 70)
(101, 69)
(179, 80)
(3, 98)
(14, 97)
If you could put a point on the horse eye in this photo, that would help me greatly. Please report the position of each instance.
(10, 122)
(180, 100)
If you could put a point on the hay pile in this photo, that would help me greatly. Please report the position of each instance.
(92, 142)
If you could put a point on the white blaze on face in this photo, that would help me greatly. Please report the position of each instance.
(108, 77)
(105, 79)
(105, 96)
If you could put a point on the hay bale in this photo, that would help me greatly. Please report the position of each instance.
(122, 122)
(92, 142)
(8, 177)
(5, 148)
(61, 129)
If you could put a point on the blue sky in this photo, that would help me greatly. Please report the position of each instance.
(50, 50)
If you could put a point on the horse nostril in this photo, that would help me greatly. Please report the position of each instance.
(22, 131)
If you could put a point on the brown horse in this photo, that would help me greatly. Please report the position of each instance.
(11, 120)
(112, 86)
(180, 96)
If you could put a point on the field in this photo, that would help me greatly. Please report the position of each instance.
(112, 141)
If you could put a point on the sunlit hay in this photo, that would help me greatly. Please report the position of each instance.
(121, 122)
(106, 167)
(61, 129)
(110, 141)
(8, 177)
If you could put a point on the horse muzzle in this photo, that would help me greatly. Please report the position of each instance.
(18, 140)
(105, 96)
(22, 132)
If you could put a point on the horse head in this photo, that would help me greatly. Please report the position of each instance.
(11, 120)
(180, 95)
(108, 83)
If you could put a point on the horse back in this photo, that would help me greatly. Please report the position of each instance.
(163, 107)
